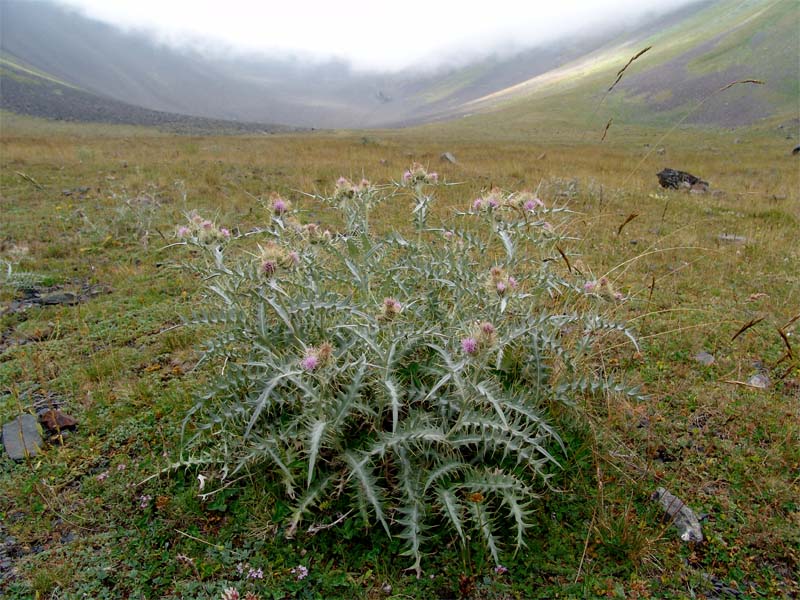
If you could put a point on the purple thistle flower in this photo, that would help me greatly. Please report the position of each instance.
(501, 287)
(279, 206)
(487, 328)
(310, 362)
(207, 225)
(478, 204)
(269, 267)
(225, 232)
(500, 570)
(512, 282)
(493, 203)
(469, 345)
(589, 286)
(433, 177)
(295, 257)
(184, 232)
(407, 176)
(342, 181)
(144, 501)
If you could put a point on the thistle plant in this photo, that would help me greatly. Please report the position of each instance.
(410, 378)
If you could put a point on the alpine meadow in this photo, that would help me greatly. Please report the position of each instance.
(522, 324)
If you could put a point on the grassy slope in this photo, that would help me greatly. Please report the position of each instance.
(759, 39)
(729, 450)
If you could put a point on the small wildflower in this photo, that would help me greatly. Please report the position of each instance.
(102, 476)
(207, 225)
(184, 231)
(476, 497)
(230, 594)
(294, 257)
(121, 466)
(477, 204)
(501, 288)
(492, 203)
(469, 345)
(225, 232)
(240, 568)
(300, 572)
(144, 501)
(448, 235)
(589, 286)
(512, 283)
(255, 573)
(433, 177)
(500, 570)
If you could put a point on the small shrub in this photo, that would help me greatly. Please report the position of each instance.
(410, 377)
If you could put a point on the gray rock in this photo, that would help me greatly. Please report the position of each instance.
(448, 157)
(704, 358)
(22, 437)
(682, 516)
(731, 239)
(759, 380)
(58, 298)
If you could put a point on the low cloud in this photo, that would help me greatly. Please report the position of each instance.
(369, 35)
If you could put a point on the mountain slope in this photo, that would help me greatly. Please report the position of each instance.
(683, 74)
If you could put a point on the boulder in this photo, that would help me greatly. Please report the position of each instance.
(448, 157)
(672, 179)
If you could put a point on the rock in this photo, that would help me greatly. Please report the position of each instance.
(759, 380)
(57, 298)
(732, 239)
(22, 437)
(448, 157)
(704, 358)
(672, 179)
(682, 516)
(796, 151)
(55, 421)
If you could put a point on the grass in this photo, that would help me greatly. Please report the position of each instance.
(86, 526)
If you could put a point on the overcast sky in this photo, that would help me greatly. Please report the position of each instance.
(370, 34)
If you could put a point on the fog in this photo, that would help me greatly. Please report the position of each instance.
(369, 35)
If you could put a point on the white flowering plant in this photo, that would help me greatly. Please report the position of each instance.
(411, 377)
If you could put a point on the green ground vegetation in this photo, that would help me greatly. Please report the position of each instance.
(92, 516)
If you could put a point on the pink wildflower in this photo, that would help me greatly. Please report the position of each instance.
(487, 328)
(225, 232)
(500, 570)
(512, 283)
(294, 257)
(230, 594)
(589, 286)
(184, 232)
(492, 203)
(407, 176)
(279, 206)
(478, 204)
(310, 362)
(207, 225)
(103, 476)
(144, 501)
(501, 288)
(469, 345)
(433, 177)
